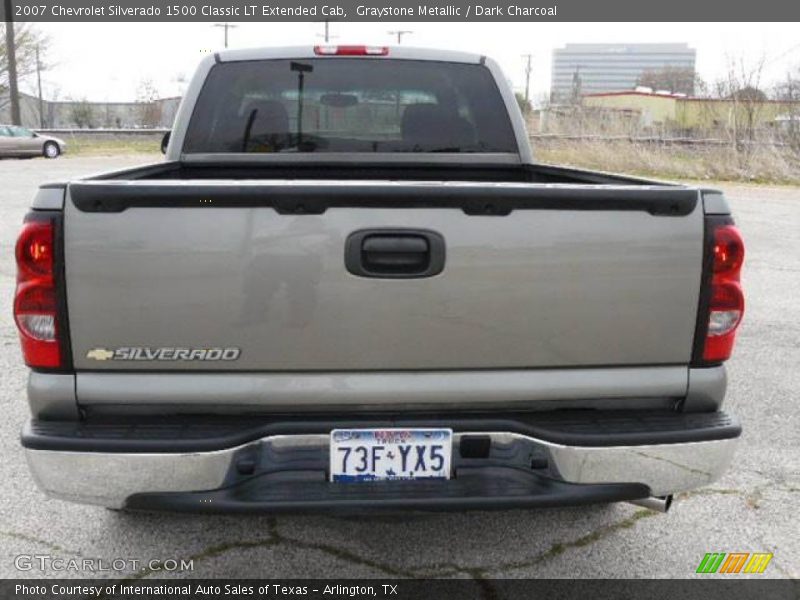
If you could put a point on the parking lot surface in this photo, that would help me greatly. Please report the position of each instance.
(753, 508)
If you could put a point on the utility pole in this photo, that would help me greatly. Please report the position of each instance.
(39, 82)
(11, 57)
(327, 34)
(527, 79)
(399, 33)
(225, 26)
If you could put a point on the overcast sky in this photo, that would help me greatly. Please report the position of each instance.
(107, 61)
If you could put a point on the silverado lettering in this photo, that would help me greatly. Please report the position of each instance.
(164, 354)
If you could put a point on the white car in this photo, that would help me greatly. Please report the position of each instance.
(21, 142)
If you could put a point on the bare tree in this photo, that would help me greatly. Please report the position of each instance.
(788, 92)
(740, 90)
(26, 39)
(679, 80)
(149, 109)
(576, 92)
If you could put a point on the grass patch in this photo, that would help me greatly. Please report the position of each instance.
(765, 164)
(78, 145)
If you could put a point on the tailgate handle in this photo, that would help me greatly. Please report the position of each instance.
(394, 253)
(401, 252)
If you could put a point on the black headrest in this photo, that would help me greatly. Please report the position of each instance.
(271, 118)
(431, 126)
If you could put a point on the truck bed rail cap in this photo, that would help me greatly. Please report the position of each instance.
(715, 203)
(49, 197)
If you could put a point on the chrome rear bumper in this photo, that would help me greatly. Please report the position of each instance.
(112, 479)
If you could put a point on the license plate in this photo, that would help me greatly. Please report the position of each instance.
(390, 454)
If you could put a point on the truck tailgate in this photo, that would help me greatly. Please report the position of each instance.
(561, 277)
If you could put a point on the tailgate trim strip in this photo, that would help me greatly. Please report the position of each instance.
(315, 197)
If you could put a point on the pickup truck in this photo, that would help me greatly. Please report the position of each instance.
(349, 285)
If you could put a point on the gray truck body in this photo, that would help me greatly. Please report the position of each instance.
(214, 286)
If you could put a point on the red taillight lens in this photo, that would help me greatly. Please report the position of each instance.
(726, 304)
(351, 50)
(35, 250)
(728, 250)
(35, 304)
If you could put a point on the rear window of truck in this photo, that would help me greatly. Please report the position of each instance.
(349, 105)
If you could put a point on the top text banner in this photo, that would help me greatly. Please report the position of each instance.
(400, 10)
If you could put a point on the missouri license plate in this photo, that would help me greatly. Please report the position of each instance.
(390, 454)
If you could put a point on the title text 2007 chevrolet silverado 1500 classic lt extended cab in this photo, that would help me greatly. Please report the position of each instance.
(349, 285)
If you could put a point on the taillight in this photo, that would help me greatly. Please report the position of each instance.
(35, 300)
(728, 250)
(35, 249)
(726, 300)
(351, 50)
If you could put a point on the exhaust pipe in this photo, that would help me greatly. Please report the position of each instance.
(656, 503)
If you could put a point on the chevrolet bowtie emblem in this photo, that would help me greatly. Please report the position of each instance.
(99, 354)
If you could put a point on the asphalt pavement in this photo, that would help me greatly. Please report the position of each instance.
(753, 508)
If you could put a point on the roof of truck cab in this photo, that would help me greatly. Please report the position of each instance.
(406, 52)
